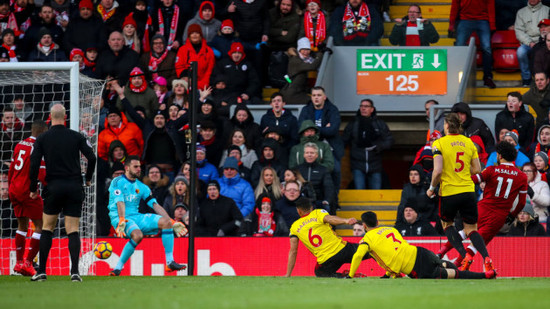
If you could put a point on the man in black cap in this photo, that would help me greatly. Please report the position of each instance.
(46, 18)
(414, 224)
(46, 50)
(218, 214)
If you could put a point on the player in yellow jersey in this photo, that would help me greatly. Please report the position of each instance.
(455, 160)
(396, 256)
(315, 231)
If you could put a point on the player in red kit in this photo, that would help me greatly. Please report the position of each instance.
(24, 207)
(503, 197)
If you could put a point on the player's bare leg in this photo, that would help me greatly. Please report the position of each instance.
(72, 225)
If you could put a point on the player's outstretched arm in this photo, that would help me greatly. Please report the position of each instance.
(335, 220)
(160, 210)
(357, 258)
(292, 253)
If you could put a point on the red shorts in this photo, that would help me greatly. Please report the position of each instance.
(27, 207)
(490, 222)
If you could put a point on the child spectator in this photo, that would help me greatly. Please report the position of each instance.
(266, 223)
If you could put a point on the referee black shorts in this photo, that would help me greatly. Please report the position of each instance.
(63, 195)
(463, 203)
(427, 265)
(330, 266)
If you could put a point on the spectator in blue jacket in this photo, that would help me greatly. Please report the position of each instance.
(207, 171)
(236, 188)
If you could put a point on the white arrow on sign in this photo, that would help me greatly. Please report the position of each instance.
(436, 62)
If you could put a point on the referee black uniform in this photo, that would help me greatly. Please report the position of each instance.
(61, 149)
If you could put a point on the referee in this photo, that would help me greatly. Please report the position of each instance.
(61, 148)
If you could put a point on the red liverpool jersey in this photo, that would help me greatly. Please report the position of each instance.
(505, 186)
(18, 176)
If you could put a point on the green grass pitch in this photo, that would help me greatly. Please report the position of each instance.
(272, 292)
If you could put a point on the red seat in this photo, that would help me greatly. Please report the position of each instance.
(504, 44)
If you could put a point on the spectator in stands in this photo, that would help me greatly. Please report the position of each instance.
(439, 117)
(77, 55)
(85, 29)
(526, 224)
(356, 23)
(11, 133)
(236, 188)
(424, 156)
(542, 143)
(542, 57)
(8, 20)
(506, 16)
(205, 18)
(326, 116)
(170, 21)
(160, 86)
(221, 43)
(22, 10)
(214, 146)
(539, 193)
(144, 24)
(179, 93)
(195, 49)
(512, 138)
(243, 119)
(309, 133)
(414, 192)
(158, 183)
(369, 136)
(248, 155)
(269, 156)
(178, 194)
(480, 147)
(118, 60)
(139, 93)
(90, 58)
(221, 96)
(284, 25)
(527, 33)
(218, 214)
(544, 28)
(205, 170)
(23, 111)
(9, 222)
(200, 186)
(235, 151)
(46, 19)
(63, 10)
(13, 53)
(282, 119)
(268, 186)
(320, 179)
(475, 16)
(541, 163)
(117, 127)
(129, 32)
(538, 96)
(264, 219)
(299, 64)
(358, 229)
(287, 205)
(240, 75)
(474, 126)
(159, 61)
(251, 22)
(414, 225)
(413, 30)
(46, 50)
(515, 117)
(112, 13)
(314, 25)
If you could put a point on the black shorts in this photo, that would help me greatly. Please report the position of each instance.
(330, 266)
(463, 203)
(63, 195)
(427, 265)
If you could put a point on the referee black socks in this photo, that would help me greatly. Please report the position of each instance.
(74, 250)
(45, 246)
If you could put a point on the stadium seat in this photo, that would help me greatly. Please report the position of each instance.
(479, 56)
(505, 44)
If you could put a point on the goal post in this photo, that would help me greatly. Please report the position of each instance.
(29, 89)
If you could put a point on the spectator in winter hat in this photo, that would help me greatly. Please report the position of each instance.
(139, 94)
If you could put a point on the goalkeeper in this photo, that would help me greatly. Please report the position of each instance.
(125, 193)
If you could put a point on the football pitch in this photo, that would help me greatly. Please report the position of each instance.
(272, 292)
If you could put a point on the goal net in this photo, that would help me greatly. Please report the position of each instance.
(27, 91)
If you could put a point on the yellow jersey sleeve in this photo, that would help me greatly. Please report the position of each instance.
(457, 151)
(357, 258)
(390, 250)
(317, 236)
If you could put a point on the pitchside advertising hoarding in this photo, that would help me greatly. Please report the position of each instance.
(250, 256)
(402, 71)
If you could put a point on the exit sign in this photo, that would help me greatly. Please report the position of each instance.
(402, 71)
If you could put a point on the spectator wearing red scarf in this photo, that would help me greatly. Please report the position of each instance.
(159, 62)
(139, 94)
(356, 24)
(314, 25)
(195, 49)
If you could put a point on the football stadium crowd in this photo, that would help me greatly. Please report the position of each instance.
(252, 171)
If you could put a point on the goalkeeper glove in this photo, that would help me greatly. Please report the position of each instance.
(179, 228)
(121, 227)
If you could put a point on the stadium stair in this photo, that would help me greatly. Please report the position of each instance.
(354, 202)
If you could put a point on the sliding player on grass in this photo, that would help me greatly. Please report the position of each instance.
(125, 193)
(396, 256)
(315, 231)
(503, 197)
